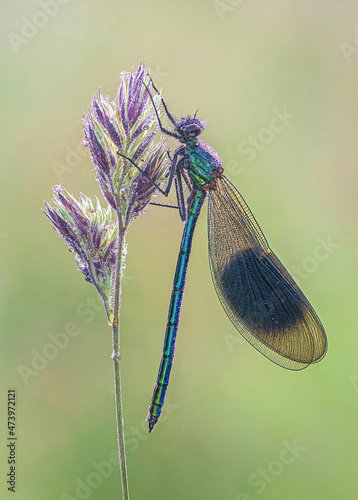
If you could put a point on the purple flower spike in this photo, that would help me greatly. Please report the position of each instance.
(87, 230)
(126, 125)
(143, 189)
(99, 156)
(122, 104)
(97, 111)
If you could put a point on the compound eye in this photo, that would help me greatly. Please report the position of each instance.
(193, 130)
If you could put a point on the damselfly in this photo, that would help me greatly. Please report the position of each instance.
(257, 293)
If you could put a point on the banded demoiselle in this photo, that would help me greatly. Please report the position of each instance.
(256, 291)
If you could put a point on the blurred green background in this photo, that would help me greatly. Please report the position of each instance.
(237, 427)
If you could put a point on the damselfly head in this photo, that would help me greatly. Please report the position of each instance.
(189, 128)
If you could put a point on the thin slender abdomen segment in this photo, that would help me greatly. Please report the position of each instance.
(160, 390)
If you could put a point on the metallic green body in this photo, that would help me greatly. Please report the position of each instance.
(257, 293)
(201, 168)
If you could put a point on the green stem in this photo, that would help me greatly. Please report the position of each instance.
(116, 361)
